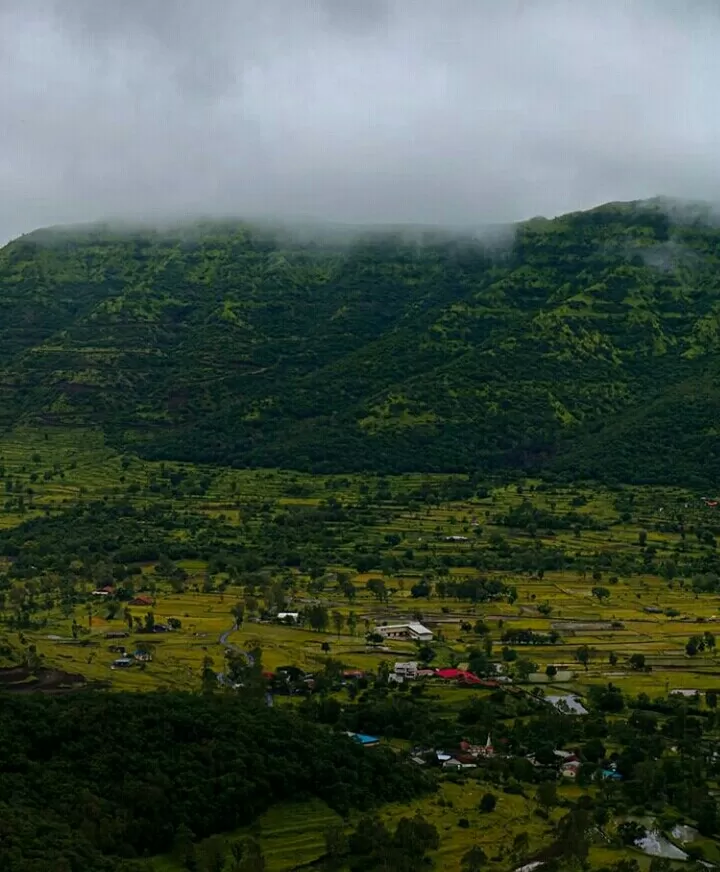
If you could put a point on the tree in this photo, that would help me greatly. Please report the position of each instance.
(550, 671)
(546, 795)
(473, 860)
(426, 653)
(600, 593)
(338, 621)
(423, 589)
(594, 750)
(642, 538)
(630, 833)
(582, 655)
(711, 699)
(612, 658)
(637, 662)
(707, 818)
(521, 842)
(376, 586)
(210, 854)
(183, 848)
(352, 623)
(238, 612)
(691, 648)
(247, 856)
(325, 647)
(488, 803)
(335, 847)
(149, 622)
(208, 677)
(348, 589)
(317, 617)
(524, 668)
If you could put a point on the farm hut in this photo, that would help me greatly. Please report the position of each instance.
(141, 601)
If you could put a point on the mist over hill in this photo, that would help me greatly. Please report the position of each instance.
(580, 346)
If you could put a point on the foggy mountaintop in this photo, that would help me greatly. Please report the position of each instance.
(461, 112)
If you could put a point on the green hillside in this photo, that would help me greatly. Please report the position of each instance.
(587, 347)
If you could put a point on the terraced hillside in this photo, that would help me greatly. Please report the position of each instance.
(587, 347)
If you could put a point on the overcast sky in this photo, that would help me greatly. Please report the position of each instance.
(424, 111)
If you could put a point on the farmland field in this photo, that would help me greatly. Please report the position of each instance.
(609, 586)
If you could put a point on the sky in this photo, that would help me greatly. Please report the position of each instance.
(449, 112)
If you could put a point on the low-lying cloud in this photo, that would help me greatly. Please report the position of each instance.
(421, 111)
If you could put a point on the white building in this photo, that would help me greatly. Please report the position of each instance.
(407, 670)
(413, 630)
(569, 704)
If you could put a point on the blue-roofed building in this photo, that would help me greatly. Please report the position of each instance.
(364, 740)
(611, 775)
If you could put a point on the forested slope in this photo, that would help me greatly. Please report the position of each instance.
(588, 346)
(92, 781)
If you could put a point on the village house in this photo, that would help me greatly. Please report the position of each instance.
(487, 750)
(364, 740)
(413, 630)
(569, 704)
(288, 617)
(459, 761)
(570, 768)
(141, 601)
(122, 663)
(104, 591)
(407, 670)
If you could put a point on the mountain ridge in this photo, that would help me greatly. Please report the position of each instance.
(390, 351)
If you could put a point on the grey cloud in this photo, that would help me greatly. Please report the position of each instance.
(421, 111)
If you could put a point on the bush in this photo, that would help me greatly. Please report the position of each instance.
(488, 803)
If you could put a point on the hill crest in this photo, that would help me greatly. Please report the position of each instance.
(559, 351)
